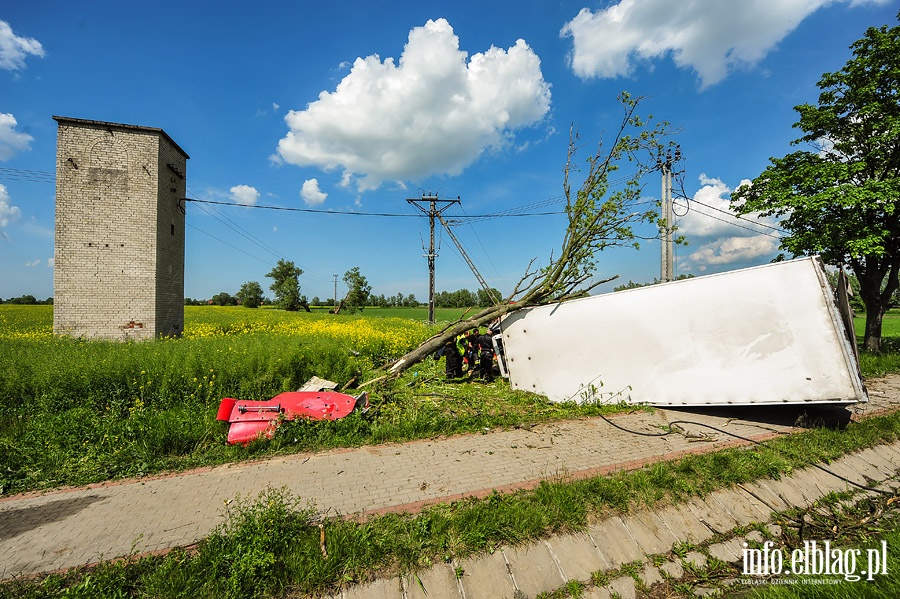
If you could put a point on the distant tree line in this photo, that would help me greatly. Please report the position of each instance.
(358, 297)
(463, 298)
(26, 300)
(632, 285)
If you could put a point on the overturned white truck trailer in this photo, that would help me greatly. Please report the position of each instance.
(758, 336)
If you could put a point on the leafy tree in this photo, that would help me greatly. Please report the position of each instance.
(250, 294)
(286, 285)
(486, 299)
(842, 199)
(27, 299)
(224, 299)
(358, 290)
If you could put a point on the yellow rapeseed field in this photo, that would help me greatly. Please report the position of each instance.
(386, 336)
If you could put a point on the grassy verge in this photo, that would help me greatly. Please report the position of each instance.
(272, 547)
(74, 412)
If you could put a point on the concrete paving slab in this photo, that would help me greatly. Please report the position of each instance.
(650, 575)
(652, 521)
(763, 491)
(615, 542)
(623, 587)
(577, 555)
(534, 569)
(385, 588)
(731, 502)
(814, 484)
(844, 470)
(695, 559)
(651, 535)
(729, 551)
(788, 491)
(892, 451)
(878, 458)
(486, 577)
(864, 467)
(597, 593)
(438, 582)
(749, 507)
(672, 569)
(754, 536)
(684, 524)
(711, 515)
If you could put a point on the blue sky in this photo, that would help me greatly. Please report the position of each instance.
(350, 108)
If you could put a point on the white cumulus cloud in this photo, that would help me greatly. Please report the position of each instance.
(11, 141)
(733, 251)
(710, 214)
(14, 49)
(311, 193)
(724, 238)
(712, 37)
(432, 112)
(244, 194)
(8, 212)
(33, 263)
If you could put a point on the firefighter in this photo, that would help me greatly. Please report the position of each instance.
(486, 357)
(468, 346)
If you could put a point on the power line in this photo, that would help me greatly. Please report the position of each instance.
(722, 220)
(266, 262)
(18, 174)
(738, 217)
(241, 231)
(349, 213)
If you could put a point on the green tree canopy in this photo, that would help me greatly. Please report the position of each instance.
(358, 290)
(250, 294)
(841, 199)
(223, 298)
(286, 285)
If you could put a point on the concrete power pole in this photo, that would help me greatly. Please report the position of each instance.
(431, 212)
(667, 258)
(666, 268)
(335, 291)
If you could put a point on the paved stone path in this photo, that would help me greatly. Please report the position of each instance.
(524, 572)
(62, 529)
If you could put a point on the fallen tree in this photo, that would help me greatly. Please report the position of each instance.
(597, 219)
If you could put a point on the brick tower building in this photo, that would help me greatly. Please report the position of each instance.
(119, 253)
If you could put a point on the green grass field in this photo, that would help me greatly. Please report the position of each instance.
(74, 412)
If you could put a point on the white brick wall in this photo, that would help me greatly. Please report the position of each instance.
(119, 254)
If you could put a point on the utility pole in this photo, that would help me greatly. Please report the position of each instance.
(667, 257)
(335, 291)
(431, 212)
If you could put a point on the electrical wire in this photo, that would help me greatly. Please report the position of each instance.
(722, 220)
(732, 215)
(18, 174)
(671, 431)
(266, 262)
(348, 213)
(241, 231)
(742, 438)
